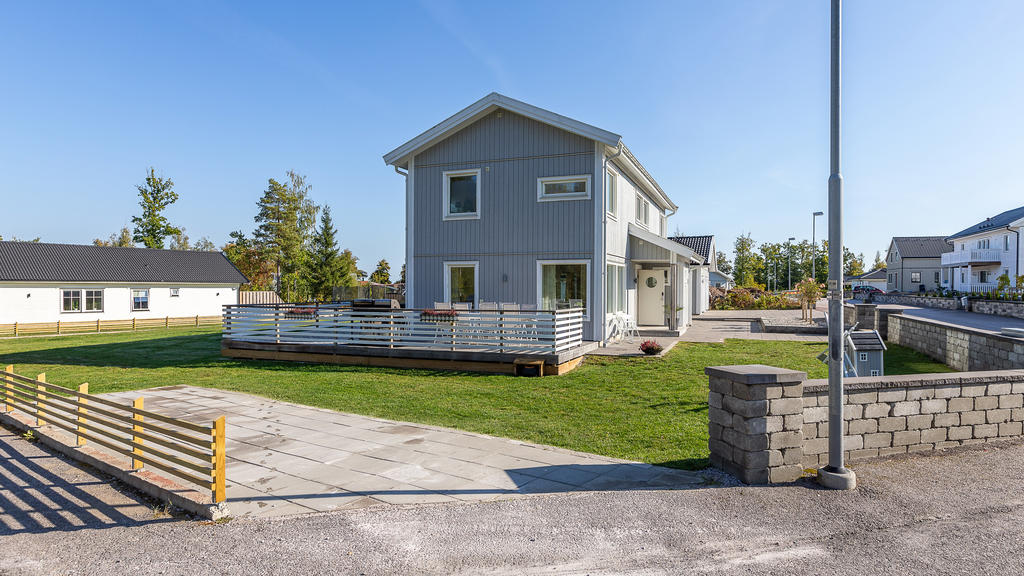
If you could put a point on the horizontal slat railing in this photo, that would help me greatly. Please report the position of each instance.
(190, 451)
(527, 332)
(85, 326)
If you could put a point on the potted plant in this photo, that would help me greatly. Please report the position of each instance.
(439, 316)
(651, 348)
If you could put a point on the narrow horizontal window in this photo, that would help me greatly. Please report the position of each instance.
(563, 188)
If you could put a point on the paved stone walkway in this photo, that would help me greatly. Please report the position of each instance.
(286, 459)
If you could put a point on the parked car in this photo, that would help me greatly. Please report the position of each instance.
(865, 290)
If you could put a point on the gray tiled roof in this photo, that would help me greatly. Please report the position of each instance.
(864, 340)
(39, 262)
(922, 246)
(998, 221)
(878, 274)
(699, 244)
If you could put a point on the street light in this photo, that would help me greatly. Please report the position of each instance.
(835, 475)
(814, 245)
(789, 257)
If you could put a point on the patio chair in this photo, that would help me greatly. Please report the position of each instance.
(631, 328)
(487, 306)
(460, 306)
(442, 306)
(575, 303)
(509, 307)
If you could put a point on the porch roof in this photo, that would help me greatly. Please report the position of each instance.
(672, 247)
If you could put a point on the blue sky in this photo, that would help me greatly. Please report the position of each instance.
(726, 104)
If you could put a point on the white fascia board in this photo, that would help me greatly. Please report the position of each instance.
(398, 156)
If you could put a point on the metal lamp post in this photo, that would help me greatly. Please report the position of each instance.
(789, 261)
(814, 243)
(835, 475)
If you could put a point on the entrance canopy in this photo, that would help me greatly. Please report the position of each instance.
(647, 246)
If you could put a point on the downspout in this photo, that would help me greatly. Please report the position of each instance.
(604, 236)
(1016, 260)
(408, 257)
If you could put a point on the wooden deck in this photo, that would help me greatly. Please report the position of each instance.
(423, 358)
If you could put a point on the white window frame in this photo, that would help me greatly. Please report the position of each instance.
(445, 196)
(643, 211)
(544, 197)
(81, 301)
(875, 373)
(475, 265)
(131, 299)
(1006, 242)
(620, 293)
(862, 356)
(612, 200)
(175, 292)
(103, 299)
(540, 281)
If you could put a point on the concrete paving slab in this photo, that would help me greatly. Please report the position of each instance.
(286, 459)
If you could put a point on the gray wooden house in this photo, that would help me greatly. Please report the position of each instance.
(507, 203)
(866, 352)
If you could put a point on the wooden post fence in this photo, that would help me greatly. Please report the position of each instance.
(193, 452)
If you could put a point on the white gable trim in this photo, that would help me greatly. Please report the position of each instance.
(399, 156)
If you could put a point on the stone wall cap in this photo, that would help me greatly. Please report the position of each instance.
(756, 374)
(818, 386)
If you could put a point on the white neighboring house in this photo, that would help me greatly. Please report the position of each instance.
(984, 252)
(74, 283)
(875, 279)
(704, 246)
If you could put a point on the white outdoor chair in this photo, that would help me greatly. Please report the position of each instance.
(528, 307)
(442, 306)
(631, 328)
(575, 303)
(509, 307)
(460, 306)
(487, 306)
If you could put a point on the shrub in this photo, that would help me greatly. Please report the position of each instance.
(650, 347)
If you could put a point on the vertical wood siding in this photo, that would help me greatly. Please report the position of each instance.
(514, 229)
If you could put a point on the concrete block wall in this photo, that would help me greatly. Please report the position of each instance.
(956, 346)
(921, 301)
(755, 422)
(759, 434)
(899, 414)
(998, 308)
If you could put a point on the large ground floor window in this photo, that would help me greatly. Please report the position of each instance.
(563, 284)
(460, 282)
(615, 288)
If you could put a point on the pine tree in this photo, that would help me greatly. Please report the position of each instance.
(879, 263)
(326, 268)
(152, 227)
(382, 275)
(285, 219)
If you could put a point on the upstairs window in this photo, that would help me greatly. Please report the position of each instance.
(140, 299)
(643, 211)
(613, 194)
(1006, 242)
(462, 195)
(563, 188)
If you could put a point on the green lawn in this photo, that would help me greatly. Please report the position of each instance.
(652, 410)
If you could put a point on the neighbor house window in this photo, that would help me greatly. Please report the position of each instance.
(984, 243)
(563, 188)
(615, 288)
(94, 300)
(643, 211)
(562, 284)
(874, 373)
(71, 301)
(963, 276)
(460, 283)
(140, 299)
(1006, 242)
(936, 277)
(863, 356)
(915, 277)
(983, 276)
(462, 194)
(613, 194)
(175, 292)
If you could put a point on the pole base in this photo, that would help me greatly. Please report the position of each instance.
(837, 478)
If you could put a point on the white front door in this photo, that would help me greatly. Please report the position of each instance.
(650, 295)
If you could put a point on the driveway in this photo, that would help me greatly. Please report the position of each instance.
(286, 459)
(955, 512)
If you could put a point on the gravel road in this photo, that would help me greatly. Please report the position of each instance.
(960, 512)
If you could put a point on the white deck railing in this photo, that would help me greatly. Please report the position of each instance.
(528, 332)
(977, 256)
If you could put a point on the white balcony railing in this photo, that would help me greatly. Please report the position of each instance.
(965, 257)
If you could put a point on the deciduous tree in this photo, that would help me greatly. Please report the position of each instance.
(152, 227)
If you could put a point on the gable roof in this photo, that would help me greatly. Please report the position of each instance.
(876, 274)
(921, 246)
(40, 262)
(699, 244)
(399, 157)
(864, 340)
(998, 221)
